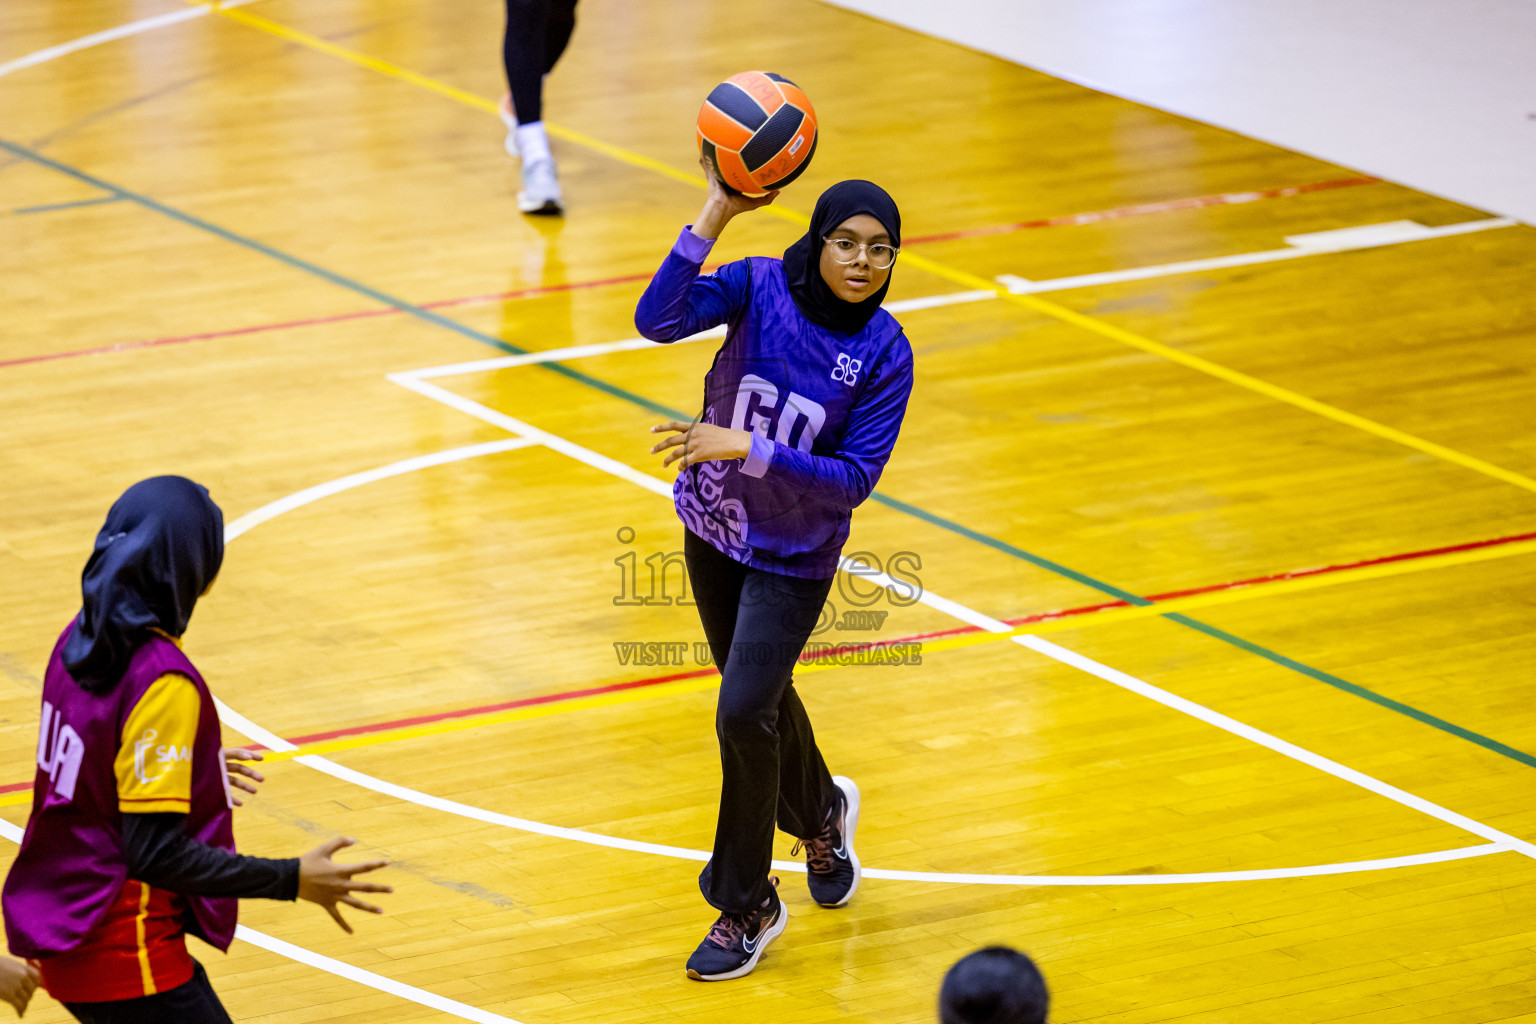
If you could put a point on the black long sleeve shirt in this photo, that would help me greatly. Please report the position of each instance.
(161, 854)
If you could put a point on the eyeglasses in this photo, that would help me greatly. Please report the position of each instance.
(846, 250)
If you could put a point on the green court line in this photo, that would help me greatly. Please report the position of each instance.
(340, 280)
(1009, 549)
(1215, 632)
(895, 503)
(1359, 691)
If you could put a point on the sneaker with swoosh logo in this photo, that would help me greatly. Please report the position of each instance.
(832, 869)
(737, 941)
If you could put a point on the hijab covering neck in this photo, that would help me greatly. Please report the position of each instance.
(815, 299)
(160, 549)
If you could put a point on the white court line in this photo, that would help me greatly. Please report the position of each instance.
(549, 356)
(532, 433)
(133, 28)
(931, 301)
(603, 348)
(343, 970)
(272, 741)
(1279, 746)
(624, 471)
(241, 526)
(1502, 842)
(346, 483)
(1370, 236)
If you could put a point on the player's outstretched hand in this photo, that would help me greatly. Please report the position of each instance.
(323, 881)
(724, 203)
(239, 773)
(18, 980)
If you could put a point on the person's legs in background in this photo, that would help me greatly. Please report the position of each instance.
(536, 35)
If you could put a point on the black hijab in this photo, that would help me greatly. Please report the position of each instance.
(815, 299)
(161, 547)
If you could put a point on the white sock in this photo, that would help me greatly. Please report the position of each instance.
(532, 143)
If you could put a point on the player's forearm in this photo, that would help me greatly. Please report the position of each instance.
(160, 853)
(713, 218)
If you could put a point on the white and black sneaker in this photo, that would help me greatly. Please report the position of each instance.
(831, 866)
(736, 943)
(540, 193)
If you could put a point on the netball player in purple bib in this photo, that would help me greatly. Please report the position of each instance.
(131, 843)
(801, 410)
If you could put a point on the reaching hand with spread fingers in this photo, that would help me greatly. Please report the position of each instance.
(327, 883)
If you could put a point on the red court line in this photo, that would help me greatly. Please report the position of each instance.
(553, 698)
(636, 684)
(1197, 202)
(365, 314)
(490, 709)
(1194, 203)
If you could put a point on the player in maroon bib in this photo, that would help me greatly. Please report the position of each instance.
(131, 842)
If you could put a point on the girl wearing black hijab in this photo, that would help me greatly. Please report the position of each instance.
(130, 844)
(801, 410)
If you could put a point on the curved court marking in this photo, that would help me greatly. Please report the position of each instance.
(309, 495)
(1045, 307)
(502, 712)
(878, 497)
(235, 529)
(417, 381)
(473, 1013)
(244, 725)
(132, 28)
(632, 158)
(332, 966)
(1500, 842)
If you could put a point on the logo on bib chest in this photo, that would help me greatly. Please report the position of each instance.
(847, 369)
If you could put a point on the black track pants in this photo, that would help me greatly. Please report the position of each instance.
(757, 623)
(537, 33)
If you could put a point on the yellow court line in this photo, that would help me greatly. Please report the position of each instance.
(1231, 376)
(1277, 588)
(1108, 616)
(601, 700)
(469, 99)
(971, 281)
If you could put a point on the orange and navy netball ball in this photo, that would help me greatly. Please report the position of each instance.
(759, 130)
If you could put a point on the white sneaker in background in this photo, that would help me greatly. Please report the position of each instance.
(541, 188)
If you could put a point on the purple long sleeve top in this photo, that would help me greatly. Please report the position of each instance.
(824, 409)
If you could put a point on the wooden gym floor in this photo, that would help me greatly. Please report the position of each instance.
(221, 235)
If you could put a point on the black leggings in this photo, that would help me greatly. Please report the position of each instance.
(192, 1002)
(757, 623)
(536, 35)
